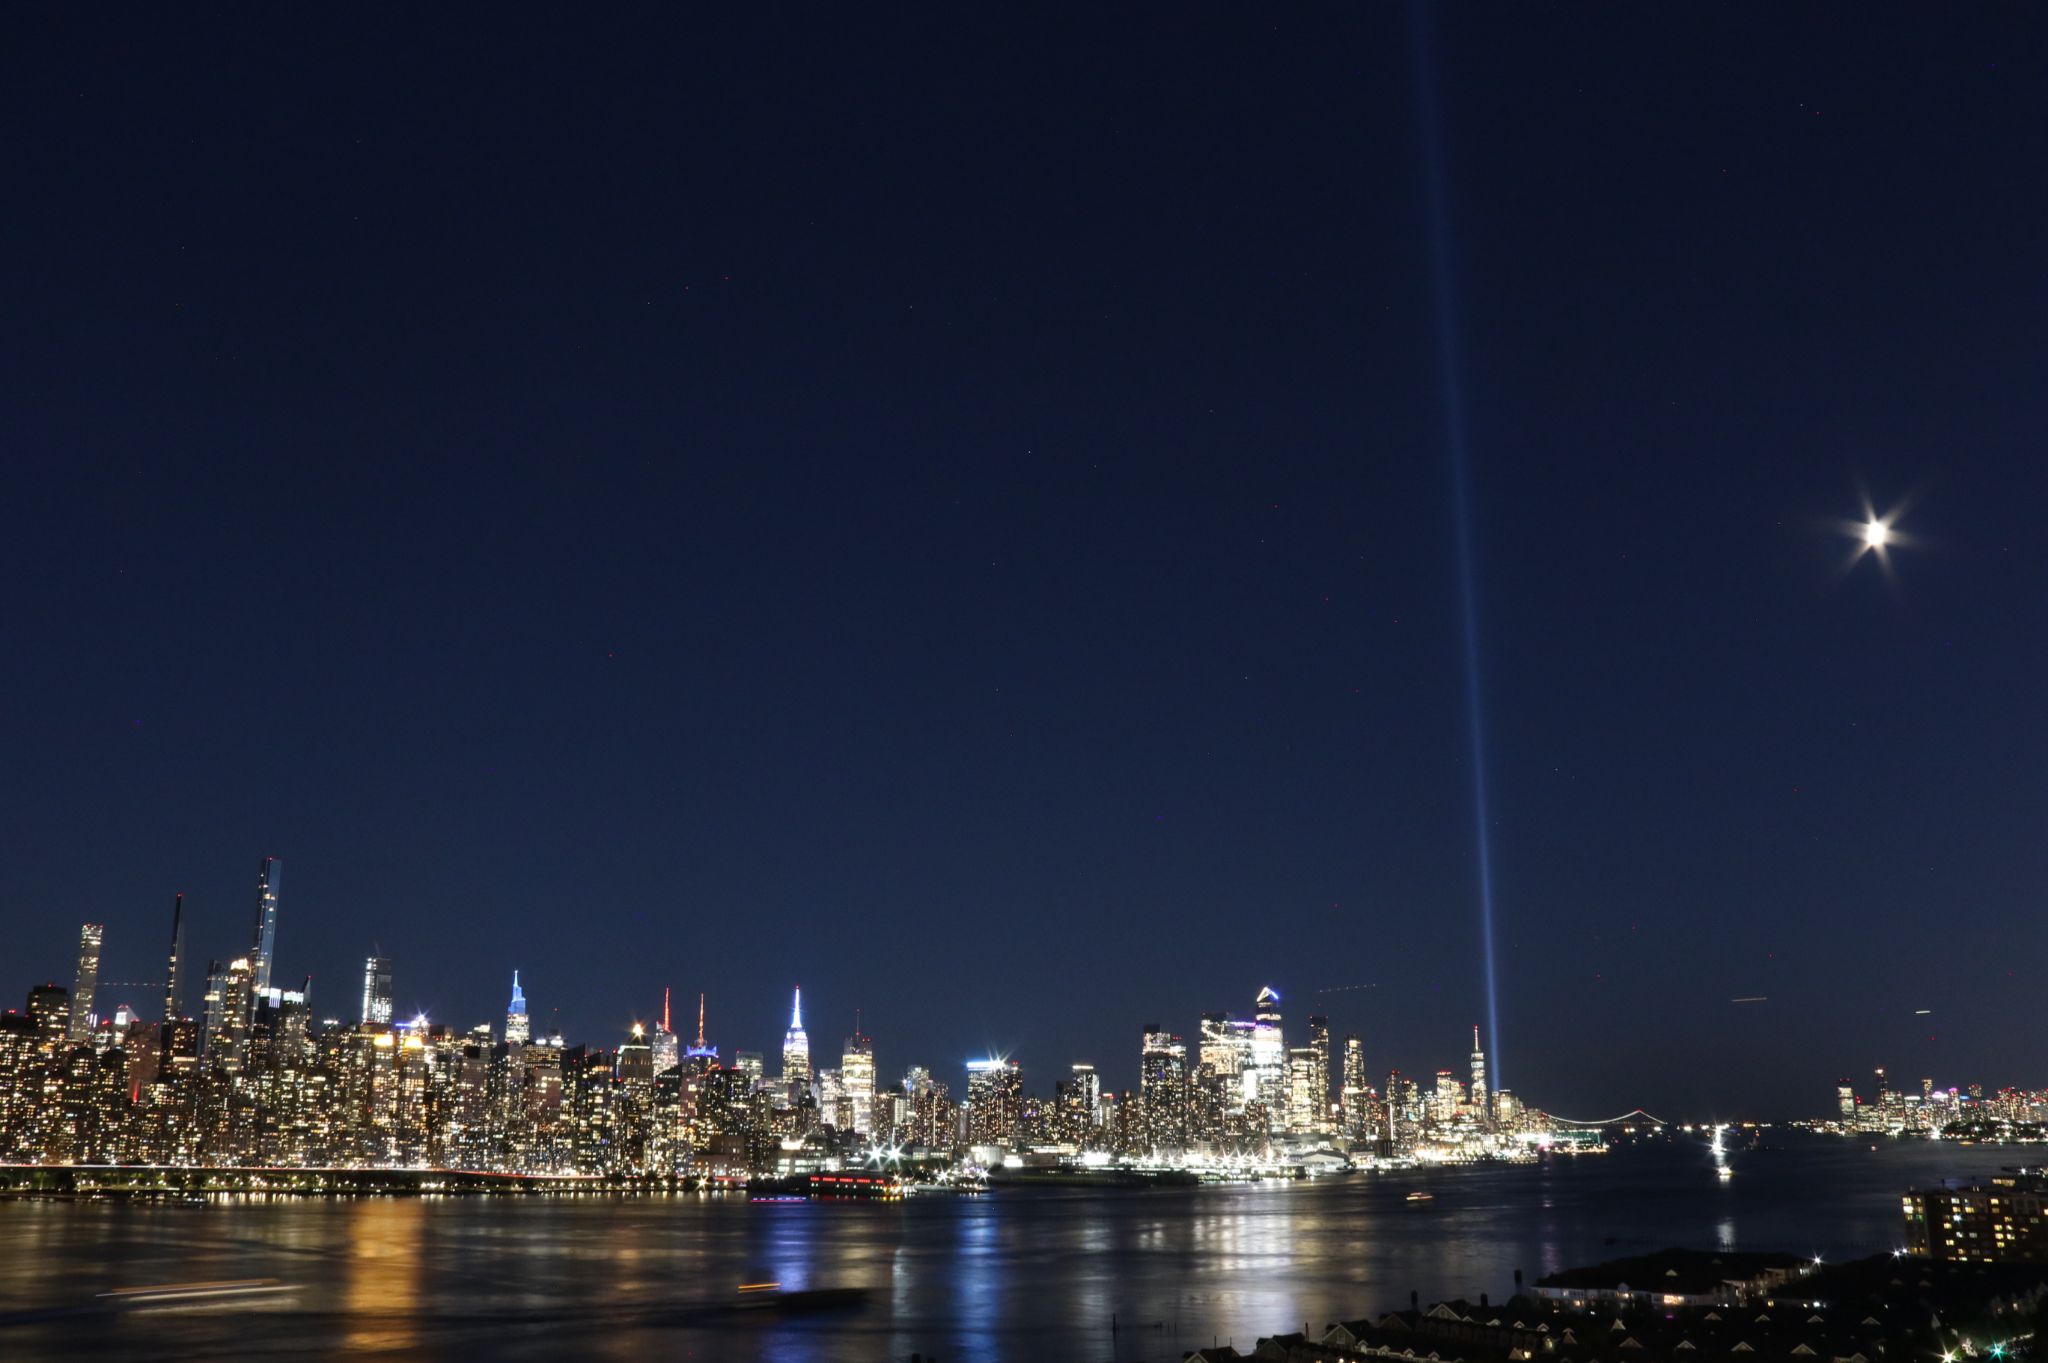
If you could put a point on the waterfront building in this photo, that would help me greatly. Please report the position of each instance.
(263, 950)
(377, 990)
(796, 1053)
(517, 1029)
(79, 1024)
(995, 1091)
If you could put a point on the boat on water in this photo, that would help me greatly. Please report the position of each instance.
(1420, 1196)
(770, 1296)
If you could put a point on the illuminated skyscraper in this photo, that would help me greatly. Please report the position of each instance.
(995, 1097)
(796, 1054)
(1226, 1051)
(667, 1047)
(702, 1053)
(1479, 1103)
(833, 1109)
(49, 1009)
(635, 1061)
(236, 1008)
(88, 983)
(1301, 1087)
(1356, 1100)
(1163, 1090)
(1076, 1099)
(1311, 1097)
(857, 1077)
(269, 880)
(209, 1008)
(1088, 1089)
(377, 989)
(174, 969)
(1447, 1098)
(517, 1029)
(1268, 1066)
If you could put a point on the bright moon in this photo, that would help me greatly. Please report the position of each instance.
(1876, 534)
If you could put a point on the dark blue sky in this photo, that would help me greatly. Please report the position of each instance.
(950, 508)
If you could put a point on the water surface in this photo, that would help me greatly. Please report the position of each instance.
(1129, 1277)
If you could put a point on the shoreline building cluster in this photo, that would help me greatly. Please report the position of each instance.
(255, 1079)
(2009, 1114)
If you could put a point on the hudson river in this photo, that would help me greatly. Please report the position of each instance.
(1026, 1274)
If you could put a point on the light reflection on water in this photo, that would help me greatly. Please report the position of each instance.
(1135, 1277)
(381, 1284)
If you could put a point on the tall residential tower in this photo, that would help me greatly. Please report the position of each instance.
(377, 989)
(269, 880)
(174, 970)
(89, 937)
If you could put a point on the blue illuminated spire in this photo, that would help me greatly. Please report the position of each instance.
(516, 1028)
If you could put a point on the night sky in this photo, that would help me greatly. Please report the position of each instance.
(951, 508)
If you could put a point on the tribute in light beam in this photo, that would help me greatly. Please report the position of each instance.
(1444, 295)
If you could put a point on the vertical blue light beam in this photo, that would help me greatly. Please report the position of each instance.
(1450, 387)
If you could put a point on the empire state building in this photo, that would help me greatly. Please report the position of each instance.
(796, 1055)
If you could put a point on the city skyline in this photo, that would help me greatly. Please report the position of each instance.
(376, 993)
(1273, 1071)
(411, 998)
(260, 1079)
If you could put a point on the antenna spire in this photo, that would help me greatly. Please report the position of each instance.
(796, 1012)
(700, 1022)
(664, 1008)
